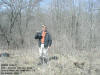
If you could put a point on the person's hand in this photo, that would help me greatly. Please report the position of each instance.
(48, 47)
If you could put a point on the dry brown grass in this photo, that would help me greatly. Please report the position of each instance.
(71, 63)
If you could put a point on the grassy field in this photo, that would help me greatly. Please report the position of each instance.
(70, 63)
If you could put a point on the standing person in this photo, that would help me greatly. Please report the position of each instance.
(44, 43)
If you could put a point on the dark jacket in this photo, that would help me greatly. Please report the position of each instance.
(47, 41)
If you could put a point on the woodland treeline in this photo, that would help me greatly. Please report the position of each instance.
(73, 24)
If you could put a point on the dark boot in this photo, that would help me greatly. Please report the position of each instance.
(40, 61)
(45, 60)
